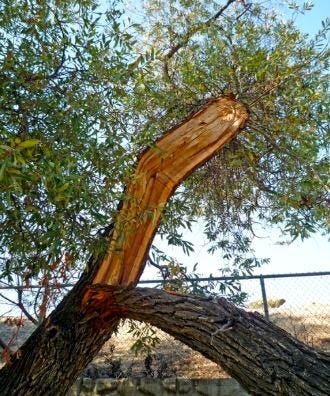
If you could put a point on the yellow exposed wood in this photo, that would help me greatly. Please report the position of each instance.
(159, 171)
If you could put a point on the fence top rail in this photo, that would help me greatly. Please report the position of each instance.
(246, 277)
(196, 280)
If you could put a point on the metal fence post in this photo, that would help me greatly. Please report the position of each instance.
(264, 296)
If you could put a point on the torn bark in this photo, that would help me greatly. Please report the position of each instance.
(265, 359)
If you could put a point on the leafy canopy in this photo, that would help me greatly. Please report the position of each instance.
(86, 86)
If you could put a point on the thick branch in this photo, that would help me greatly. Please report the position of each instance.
(265, 359)
(159, 171)
(54, 355)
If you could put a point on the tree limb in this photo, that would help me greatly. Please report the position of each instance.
(249, 347)
(159, 170)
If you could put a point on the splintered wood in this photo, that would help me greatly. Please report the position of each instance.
(159, 171)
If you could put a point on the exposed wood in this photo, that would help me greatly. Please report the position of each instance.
(159, 171)
(264, 358)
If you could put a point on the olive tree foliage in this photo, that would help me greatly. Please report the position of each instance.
(65, 129)
(86, 86)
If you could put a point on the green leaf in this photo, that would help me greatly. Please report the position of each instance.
(28, 143)
(64, 187)
(2, 171)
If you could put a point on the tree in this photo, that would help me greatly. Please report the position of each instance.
(81, 100)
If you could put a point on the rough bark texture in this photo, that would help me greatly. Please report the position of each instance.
(264, 358)
(58, 350)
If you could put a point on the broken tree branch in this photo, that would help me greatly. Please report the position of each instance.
(159, 171)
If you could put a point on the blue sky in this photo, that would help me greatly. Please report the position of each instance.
(311, 21)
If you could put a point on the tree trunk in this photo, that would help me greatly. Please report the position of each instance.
(59, 349)
(263, 358)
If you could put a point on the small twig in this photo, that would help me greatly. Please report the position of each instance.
(62, 61)
(225, 327)
(35, 302)
(184, 40)
(4, 314)
(8, 299)
(20, 305)
(162, 268)
(220, 12)
(246, 9)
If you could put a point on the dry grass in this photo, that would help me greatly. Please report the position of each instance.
(170, 358)
(310, 324)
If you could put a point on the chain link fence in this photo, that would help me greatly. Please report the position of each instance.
(299, 303)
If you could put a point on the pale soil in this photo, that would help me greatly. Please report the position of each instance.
(171, 358)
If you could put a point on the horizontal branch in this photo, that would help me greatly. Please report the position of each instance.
(251, 349)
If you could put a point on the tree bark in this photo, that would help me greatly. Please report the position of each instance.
(264, 358)
(59, 349)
